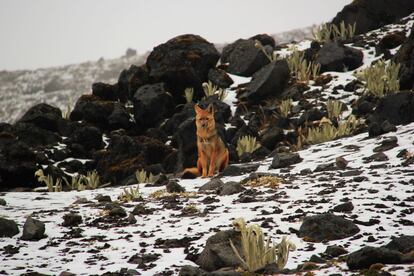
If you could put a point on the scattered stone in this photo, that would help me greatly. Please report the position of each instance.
(334, 56)
(268, 81)
(403, 244)
(283, 160)
(387, 144)
(368, 256)
(174, 187)
(71, 219)
(33, 230)
(335, 251)
(8, 228)
(233, 170)
(2, 202)
(327, 227)
(231, 188)
(103, 198)
(344, 207)
(218, 253)
(141, 259)
(341, 163)
(117, 212)
(213, 185)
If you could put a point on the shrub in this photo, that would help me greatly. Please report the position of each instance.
(334, 109)
(258, 253)
(210, 90)
(130, 194)
(300, 68)
(247, 144)
(327, 132)
(189, 94)
(268, 181)
(92, 180)
(285, 107)
(381, 78)
(52, 186)
(328, 32)
(143, 177)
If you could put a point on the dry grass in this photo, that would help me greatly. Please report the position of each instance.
(159, 194)
(247, 144)
(267, 181)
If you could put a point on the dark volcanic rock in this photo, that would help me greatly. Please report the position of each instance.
(46, 117)
(187, 145)
(170, 127)
(344, 207)
(119, 118)
(93, 110)
(222, 111)
(231, 188)
(130, 80)
(327, 227)
(183, 61)
(372, 14)
(173, 187)
(283, 160)
(151, 105)
(8, 228)
(34, 136)
(220, 78)
(368, 256)
(403, 244)
(107, 92)
(33, 230)
(126, 154)
(265, 40)
(213, 185)
(268, 81)
(244, 57)
(396, 108)
(71, 219)
(334, 56)
(272, 137)
(218, 253)
(88, 136)
(17, 165)
(405, 57)
(335, 251)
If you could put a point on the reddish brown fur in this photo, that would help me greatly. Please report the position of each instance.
(212, 153)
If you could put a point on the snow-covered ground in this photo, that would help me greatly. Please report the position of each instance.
(296, 196)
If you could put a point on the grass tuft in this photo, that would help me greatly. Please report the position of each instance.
(247, 144)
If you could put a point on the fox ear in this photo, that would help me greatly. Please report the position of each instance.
(197, 108)
(210, 108)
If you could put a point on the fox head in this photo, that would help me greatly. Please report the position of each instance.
(205, 120)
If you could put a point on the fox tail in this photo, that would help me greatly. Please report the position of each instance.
(190, 173)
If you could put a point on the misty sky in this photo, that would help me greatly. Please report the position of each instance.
(41, 33)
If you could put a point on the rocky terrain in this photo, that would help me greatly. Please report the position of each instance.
(346, 202)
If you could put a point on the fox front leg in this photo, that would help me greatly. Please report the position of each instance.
(212, 167)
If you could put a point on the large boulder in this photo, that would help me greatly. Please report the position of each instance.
(93, 110)
(33, 230)
(327, 227)
(403, 244)
(396, 108)
(220, 78)
(218, 253)
(183, 61)
(88, 136)
(151, 105)
(119, 118)
(108, 92)
(125, 155)
(34, 136)
(268, 81)
(334, 56)
(187, 144)
(8, 228)
(44, 116)
(369, 255)
(405, 57)
(243, 57)
(17, 164)
(130, 80)
(372, 14)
